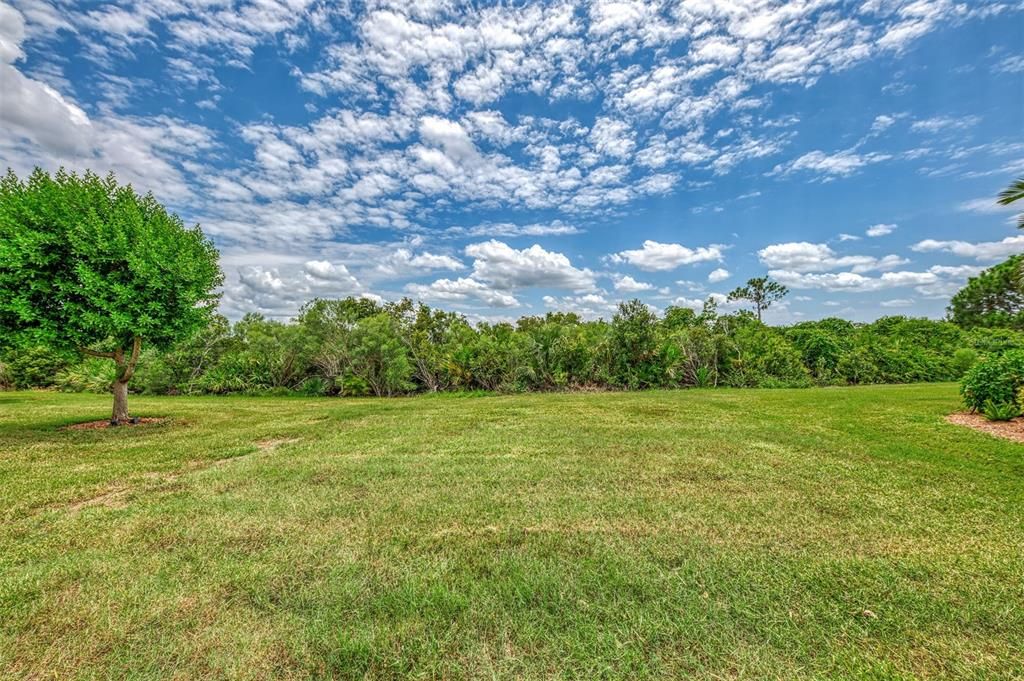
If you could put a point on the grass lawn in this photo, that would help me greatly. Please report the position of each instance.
(823, 533)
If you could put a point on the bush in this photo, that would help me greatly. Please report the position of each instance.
(34, 367)
(997, 379)
(1004, 411)
(92, 375)
(963, 359)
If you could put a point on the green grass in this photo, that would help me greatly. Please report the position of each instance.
(790, 534)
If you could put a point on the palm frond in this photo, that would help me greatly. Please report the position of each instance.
(1015, 192)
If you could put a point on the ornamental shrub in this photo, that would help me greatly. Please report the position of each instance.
(996, 378)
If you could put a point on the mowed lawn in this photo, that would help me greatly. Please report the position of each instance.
(709, 534)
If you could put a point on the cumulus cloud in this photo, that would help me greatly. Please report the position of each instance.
(656, 257)
(404, 263)
(462, 290)
(407, 129)
(802, 256)
(627, 284)
(981, 251)
(719, 274)
(936, 281)
(508, 268)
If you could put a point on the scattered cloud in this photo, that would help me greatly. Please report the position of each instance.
(981, 251)
(802, 256)
(880, 230)
(718, 274)
(659, 257)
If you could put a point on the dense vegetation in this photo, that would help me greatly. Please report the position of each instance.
(359, 347)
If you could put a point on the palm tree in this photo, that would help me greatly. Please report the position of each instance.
(1015, 192)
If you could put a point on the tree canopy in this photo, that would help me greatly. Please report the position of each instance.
(761, 291)
(992, 299)
(87, 265)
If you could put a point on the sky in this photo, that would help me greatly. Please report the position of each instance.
(506, 159)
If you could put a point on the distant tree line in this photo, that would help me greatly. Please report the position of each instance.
(357, 346)
(100, 286)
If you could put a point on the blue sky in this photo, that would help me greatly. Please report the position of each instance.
(507, 159)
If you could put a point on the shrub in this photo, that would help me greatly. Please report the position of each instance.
(1001, 411)
(996, 378)
(35, 367)
(93, 375)
(963, 359)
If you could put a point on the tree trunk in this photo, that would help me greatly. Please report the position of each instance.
(125, 370)
(120, 402)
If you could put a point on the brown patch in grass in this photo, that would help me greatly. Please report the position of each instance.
(112, 497)
(271, 444)
(1008, 430)
(97, 425)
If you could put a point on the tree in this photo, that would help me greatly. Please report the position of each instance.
(91, 267)
(1015, 192)
(634, 346)
(378, 356)
(762, 292)
(994, 298)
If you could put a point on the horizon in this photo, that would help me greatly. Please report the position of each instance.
(506, 161)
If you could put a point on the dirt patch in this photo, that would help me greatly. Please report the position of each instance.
(97, 425)
(1008, 430)
(273, 443)
(113, 497)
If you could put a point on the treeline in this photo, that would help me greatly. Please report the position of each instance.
(359, 347)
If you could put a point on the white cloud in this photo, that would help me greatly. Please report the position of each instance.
(880, 230)
(980, 251)
(508, 229)
(404, 263)
(655, 256)
(985, 205)
(937, 281)
(507, 268)
(898, 302)
(462, 290)
(838, 164)
(719, 274)
(627, 284)
(802, 256)
(944, 123)
(1011, 64)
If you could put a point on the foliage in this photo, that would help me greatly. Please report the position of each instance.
(634, 346)
(358, 346)
(994, 298)
(91, 375)
(760, 291)
(377, 356)
(995, 378)
(85, 263)
(119, 263)
(1012, 194)
(1000, 411)
(34, 366)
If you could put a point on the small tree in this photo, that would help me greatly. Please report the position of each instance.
(90, 267)
(761, 291)
(994, 298)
